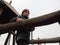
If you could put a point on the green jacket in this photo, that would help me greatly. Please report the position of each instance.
(23, 34)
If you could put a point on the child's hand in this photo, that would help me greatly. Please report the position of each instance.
(19, 20)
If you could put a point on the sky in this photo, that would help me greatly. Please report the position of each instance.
(38, 8)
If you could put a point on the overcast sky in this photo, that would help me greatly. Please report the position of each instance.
(38, 8)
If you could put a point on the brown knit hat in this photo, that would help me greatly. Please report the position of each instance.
(25, 10)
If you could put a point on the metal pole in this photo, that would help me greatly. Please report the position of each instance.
(7, 39)
(32, 37)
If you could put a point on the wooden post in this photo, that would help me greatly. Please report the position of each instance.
(39, 43)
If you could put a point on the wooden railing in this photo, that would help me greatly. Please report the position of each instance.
(33, 22)
(36, 41)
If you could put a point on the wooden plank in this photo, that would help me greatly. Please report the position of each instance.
(33, 22)
(48, 40)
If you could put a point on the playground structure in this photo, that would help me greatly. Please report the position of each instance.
(34, 22)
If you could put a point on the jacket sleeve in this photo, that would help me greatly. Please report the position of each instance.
(13, 19)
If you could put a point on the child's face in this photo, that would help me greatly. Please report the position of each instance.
(26, 13)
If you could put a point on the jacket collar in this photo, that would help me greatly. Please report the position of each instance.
(25, 17)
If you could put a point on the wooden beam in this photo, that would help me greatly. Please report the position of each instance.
(33, 22)
(48, 40)
(11, 7)
(7, 13)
